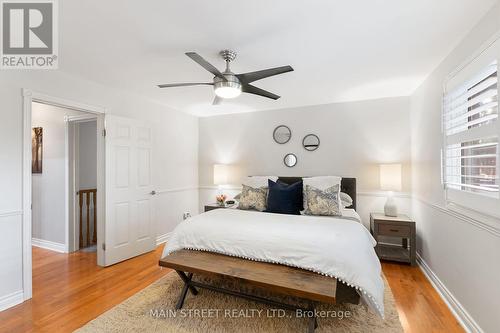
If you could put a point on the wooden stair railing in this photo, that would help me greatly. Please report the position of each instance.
(90, 196)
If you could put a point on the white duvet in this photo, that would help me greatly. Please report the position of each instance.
(340, 247)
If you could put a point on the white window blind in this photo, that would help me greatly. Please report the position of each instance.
(471, 133)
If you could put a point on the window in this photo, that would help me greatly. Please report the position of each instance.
(471, 134)
(472, 148)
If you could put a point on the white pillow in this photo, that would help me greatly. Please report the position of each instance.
(321, 183)
(258, 181)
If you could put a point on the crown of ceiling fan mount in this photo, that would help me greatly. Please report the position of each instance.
(228, 55)
(229, 85)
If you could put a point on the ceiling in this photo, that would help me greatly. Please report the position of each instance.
(340, 50)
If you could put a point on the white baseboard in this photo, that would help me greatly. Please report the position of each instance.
(48, 245)
(163, 238)
(463, 317)
(10, 300)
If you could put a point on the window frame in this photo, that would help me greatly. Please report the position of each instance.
(469, 203)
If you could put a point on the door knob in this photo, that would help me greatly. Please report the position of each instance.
(153, 192)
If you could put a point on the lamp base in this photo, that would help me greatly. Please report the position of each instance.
(390, 207)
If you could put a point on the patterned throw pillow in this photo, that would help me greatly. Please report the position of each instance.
(325, 202)
(253, 198)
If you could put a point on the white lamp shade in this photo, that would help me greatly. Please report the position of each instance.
(221, 174)
(390, 177)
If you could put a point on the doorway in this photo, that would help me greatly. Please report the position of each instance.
(82, 202)
(64, 167)
(125, 224)
(40, 161)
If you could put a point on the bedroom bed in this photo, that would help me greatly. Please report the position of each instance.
(316, 258)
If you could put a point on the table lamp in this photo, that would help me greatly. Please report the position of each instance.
(390, 180)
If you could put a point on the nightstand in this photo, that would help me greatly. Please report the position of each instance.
(216, 206)
(401, 227)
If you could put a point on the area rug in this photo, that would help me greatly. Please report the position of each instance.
(153, 310)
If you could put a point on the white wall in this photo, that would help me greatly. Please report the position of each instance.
(355, 138)
(87, 155)
(461, 253)
(48, 187)
(175, 163)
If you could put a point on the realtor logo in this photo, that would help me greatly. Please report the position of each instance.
(29, 34)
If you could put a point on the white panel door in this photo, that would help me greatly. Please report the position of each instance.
(129, 227)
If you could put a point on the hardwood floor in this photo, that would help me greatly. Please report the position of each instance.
(70, 289)
(420, 307)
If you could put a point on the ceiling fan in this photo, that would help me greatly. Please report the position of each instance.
(229, 85)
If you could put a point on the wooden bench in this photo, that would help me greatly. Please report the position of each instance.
(281, 279)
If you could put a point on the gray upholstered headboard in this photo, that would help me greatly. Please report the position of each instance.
(348, 185)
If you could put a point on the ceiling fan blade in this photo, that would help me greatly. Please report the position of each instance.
(217, 100)
(249, 89)
(168, 85)
(258, 75)
(205, 64)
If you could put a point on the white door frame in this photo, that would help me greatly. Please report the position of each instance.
(30, 96)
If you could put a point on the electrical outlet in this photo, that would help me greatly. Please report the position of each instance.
(186, 215)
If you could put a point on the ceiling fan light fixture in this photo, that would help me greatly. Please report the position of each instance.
(227, 89)
(226, 84)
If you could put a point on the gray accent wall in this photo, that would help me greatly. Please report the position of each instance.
(355, 138)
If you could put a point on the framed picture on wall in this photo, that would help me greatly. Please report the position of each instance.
(36, 149)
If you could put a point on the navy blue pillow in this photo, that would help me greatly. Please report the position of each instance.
(300, 196)
(283, 198)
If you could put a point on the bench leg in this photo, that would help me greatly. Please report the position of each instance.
(180, 302)
(190, 285)
(187, 280)
(313, 322)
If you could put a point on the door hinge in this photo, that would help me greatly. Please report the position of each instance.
(104, 246)
(104, 132)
